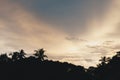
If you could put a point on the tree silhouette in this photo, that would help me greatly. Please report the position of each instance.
(108, 69)
(21, 54)
(40, 54)
(15, 56)
(118, 54)
(18, 55)
(104, 60)
(4, 58)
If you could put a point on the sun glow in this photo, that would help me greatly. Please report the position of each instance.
(73, 49)
(94, 43)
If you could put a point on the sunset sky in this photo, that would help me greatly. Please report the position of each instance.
(76, 31)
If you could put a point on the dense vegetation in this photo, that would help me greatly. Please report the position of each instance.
(16, 66)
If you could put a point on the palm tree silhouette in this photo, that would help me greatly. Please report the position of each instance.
(21, 54)
(40, 54)
(18, 55)
(104, 60)
(15, 56)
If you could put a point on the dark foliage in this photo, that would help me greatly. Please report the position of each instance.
(17, 66)
(108, 69)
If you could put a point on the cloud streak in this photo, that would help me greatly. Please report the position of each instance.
(19, 27)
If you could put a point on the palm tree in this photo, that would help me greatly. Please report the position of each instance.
(40, 54)
(21, 54)
(104, 60)
(15, 56)
(18, 55)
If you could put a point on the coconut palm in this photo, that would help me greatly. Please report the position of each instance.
(15, 56)
(18, 55)
(21, 54)
(40, 54)
(104, 60)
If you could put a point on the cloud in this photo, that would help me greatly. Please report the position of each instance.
(116, 32)
(20, 29)
(89, 60)
(106, 48)
(76, 15)
(75, 39)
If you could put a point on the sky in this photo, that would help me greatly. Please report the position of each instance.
(76, 31)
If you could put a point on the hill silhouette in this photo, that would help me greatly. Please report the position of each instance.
(16, 66)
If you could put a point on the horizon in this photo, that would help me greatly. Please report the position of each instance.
(76, 31)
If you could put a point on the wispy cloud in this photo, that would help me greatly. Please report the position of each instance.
(75, 39)
(19, 28)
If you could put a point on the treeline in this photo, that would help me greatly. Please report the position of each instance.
(16, 66)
